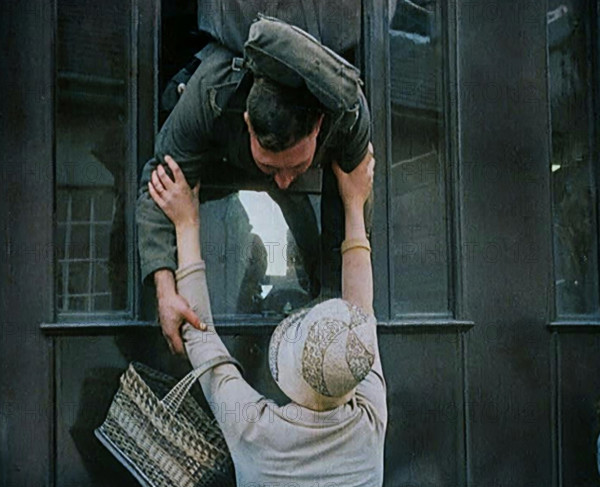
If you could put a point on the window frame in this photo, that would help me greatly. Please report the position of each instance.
(572, 321)
(143, 108)
(377, 67)
(134, 35)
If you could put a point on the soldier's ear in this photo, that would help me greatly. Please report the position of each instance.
(247, 120)
(317, 128)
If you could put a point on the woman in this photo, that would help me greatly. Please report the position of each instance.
(325, 359)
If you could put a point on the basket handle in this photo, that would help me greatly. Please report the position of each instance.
(175, 396)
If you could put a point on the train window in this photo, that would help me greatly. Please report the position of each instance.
(573, 163)
(93, 157)
(419, 255)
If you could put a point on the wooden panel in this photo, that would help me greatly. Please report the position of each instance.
(87, 373)
(26, 140)
(505, 201)
(424, 440)
(88, 369)
(579, 395)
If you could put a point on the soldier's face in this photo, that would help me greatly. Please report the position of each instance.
(287, 165)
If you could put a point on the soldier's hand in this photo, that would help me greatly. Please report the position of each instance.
(173, 310)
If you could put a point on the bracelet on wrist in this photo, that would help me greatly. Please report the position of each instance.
(183, 272)
(355, 243)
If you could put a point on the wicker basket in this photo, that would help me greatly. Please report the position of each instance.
(161, 435)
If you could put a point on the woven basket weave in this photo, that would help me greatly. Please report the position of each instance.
(161, 435)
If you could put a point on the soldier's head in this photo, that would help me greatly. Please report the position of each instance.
(283, 124)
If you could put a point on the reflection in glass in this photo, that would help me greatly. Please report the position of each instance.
(418, 196)
(254, 265)
(92, 155)
(572, 165)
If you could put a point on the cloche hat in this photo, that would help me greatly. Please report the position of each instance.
(319, 355)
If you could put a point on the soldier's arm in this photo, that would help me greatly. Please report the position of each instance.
(350, 141)
(185, 137)
(186, 133)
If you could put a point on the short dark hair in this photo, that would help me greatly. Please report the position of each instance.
(280, 115)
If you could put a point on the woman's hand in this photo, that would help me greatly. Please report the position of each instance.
(174, 196)
(355, 187)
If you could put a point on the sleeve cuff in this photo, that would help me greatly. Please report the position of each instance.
(183, 272)
(349, 165)
(148, 269)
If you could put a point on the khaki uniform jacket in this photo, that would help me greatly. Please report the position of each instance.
(207, 136)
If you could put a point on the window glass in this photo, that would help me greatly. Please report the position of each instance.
(419, 251)
(573, 160)
(254, 263)
(92, 154)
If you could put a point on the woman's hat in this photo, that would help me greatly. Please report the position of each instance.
(318, 355)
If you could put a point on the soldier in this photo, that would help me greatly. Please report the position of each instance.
(229, 127)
